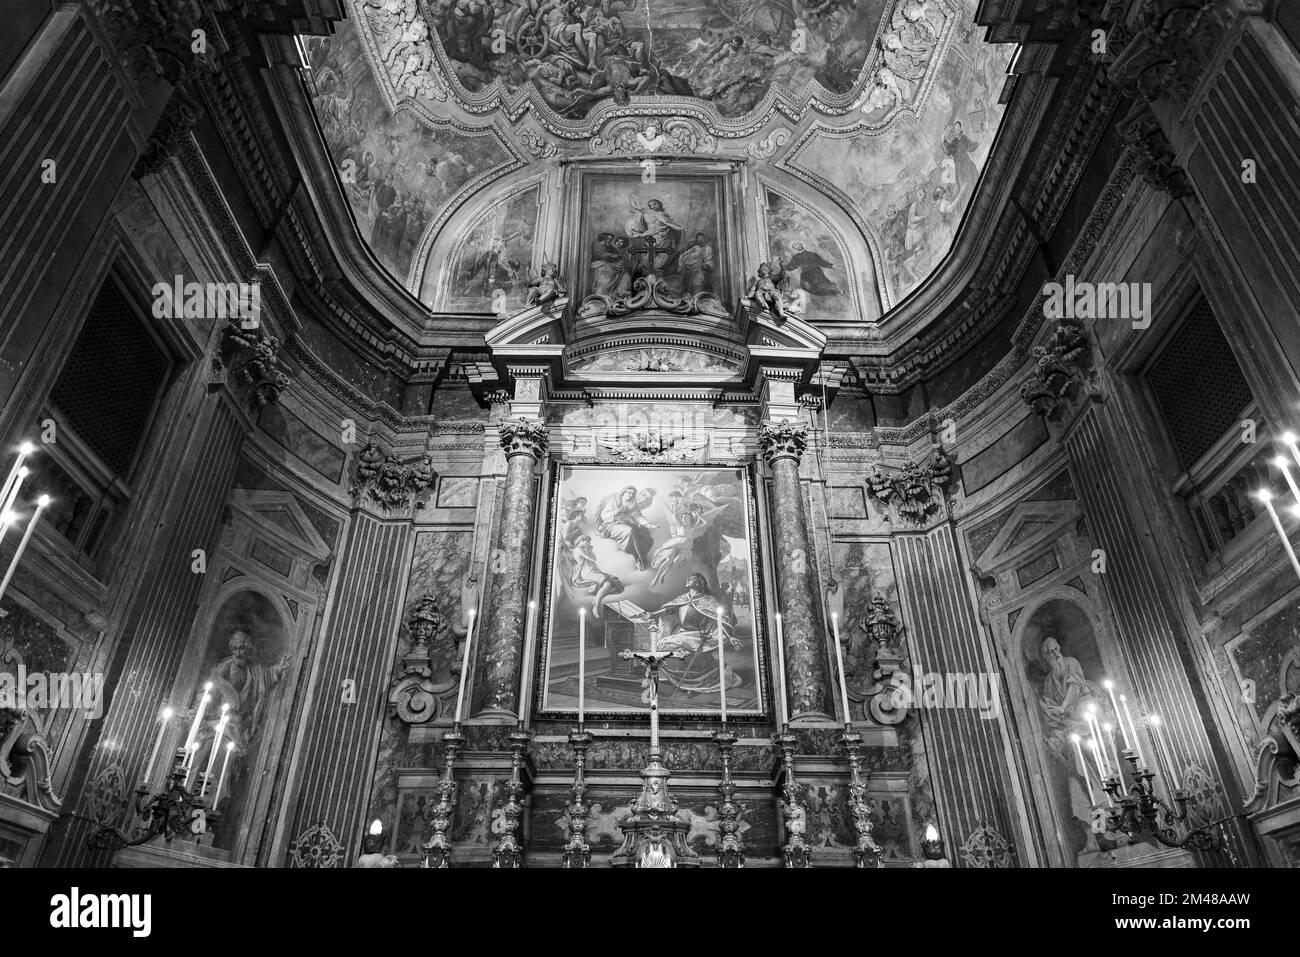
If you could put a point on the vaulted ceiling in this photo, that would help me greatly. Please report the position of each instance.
(862, 124)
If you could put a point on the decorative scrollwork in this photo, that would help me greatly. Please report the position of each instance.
(417, 690)
(523, 437)
(782, 439)
(381, 477)
(918, 490)
(650, 292)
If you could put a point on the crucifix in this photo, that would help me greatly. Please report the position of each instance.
(652, 660)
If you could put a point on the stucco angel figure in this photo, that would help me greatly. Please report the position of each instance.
(545, 287)
(763, 290)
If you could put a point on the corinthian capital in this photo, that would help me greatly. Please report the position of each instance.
(523, 437)
(782, 439)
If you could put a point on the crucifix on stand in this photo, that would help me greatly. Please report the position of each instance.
(653, 835)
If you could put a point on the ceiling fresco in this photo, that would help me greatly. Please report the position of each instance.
(868, 123)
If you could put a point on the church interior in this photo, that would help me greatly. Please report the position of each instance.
(650, 433)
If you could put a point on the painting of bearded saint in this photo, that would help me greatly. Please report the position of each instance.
(1064, 665)
(655, 557)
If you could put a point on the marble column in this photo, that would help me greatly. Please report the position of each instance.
(807, 672)
(498, 658)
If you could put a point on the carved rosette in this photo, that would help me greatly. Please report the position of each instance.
(500, 654)
(807, 670)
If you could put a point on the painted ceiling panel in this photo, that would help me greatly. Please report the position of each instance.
(878, 114)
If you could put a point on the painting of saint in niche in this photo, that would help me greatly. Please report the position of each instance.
(811, 256)
(658, 557)
(670, 227)
(1064, 666)
(493, 258)
(246, 661)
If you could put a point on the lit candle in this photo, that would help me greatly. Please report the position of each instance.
(1289, 440)
(1114, 706)
(582, 663)
(43, 501)
(1114, 750)
(198, 717)
(1095, 729)
(1101, 775)
(1279, 463)
(24, 450)
(722, 669)
(12, 495)
(1265, 496)
(780, 672)
(1142, 758)
(1083, 768)
(839, 661)
(1163, 749)
(191, 751)
(532, 619)
(464, 666)
(221, 781)
(157, 745)
(212, 753)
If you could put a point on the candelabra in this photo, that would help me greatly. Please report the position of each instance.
(866, 852)
(731, 846)
(1138, 809)
(793, 813)
(437, 850)
(577, 852)
(173, 812)
(508, 853)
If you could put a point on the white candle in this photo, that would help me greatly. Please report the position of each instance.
(1114, 706)
(221, 781)
(157, 745)
(24, 450)
(1142, 758)
(191, 751)
(1097, 756)
(1280, 464)
(1166, 752)
(780, 672)
(212, 753)
(464, 666)
(839, 661)
(582, 663)
(43, 501)
(1114, 750)
(1083, 768)
(12, 495)
(1288, 439)
(198, 717)
(722, 669)
(1267, 498)
(1095, 729)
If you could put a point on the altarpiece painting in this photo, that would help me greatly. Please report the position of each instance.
(658, 556)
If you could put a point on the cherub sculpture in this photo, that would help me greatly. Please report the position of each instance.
(545, 287)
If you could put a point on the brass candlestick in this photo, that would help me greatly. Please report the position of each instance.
(508, 852)
(577, 852)
(437, 850)
(866, 852)
(731, 846)
(793, 813)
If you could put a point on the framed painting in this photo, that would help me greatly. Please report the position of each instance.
(677, 226)
(657, 556)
